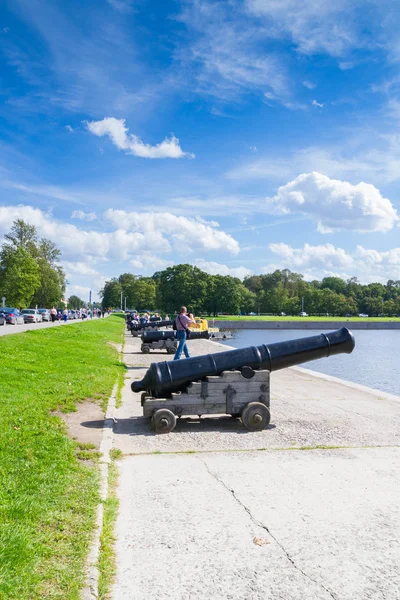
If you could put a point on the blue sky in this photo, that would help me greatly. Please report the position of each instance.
(240, 136)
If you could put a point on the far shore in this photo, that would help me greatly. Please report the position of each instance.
(321, 323)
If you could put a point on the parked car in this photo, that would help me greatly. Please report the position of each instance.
(303, 314)
(31, 315)
(2, 318)
(363, 315)
(45, 314)
(13, 316)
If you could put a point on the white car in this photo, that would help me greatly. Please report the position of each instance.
(363, 315)
(31, 315)
(303, 314)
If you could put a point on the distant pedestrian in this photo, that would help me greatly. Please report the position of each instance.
(65, 315)
(53, 314)
(182, 323)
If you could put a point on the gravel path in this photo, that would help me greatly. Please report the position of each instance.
(231, 514)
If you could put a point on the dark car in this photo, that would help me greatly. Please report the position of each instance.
(13, 316)
(2, 318)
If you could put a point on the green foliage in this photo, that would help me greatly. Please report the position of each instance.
(20, 276)
(270, 293)
(140, 292)
(75, 302)
(29, 269)
(182, 285)
(48, 497)
(111, 294)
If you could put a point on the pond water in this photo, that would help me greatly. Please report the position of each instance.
(374, 362)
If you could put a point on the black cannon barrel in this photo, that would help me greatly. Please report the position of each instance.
(155, 336)
(163, 378)
(137, 326)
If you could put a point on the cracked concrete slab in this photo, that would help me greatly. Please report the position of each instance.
(328, 519)
(187, 524)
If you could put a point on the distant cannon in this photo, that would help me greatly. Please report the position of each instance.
(166, 340)
(152, 325)
(193, 385)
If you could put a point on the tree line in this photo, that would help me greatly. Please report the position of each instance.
(282, 291)
(30, 273)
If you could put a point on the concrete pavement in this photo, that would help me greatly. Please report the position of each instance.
(240, 515)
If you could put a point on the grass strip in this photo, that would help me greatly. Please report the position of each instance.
(48, 497)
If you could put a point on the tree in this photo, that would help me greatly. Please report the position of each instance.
(75, 302)
(336, 284)
(20, 277)
(111, 294)
(40, 261)
(247, 299)
(52, 276)
(182, 285)
(140, 292)
(224, 295)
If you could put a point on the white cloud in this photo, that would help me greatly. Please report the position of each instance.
(148, 263)
(309, 85)
(132, 144)
(184, 234)
(83, 216)
(82, 269)
(325, 260)
(214, 268)
(313, 25)
(69, 128)
(335, 205)
(317, 104)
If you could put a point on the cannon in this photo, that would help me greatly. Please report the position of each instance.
(166, 340)
(235, 382)
(151, 325)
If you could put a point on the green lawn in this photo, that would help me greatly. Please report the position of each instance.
(47, 496)
(289, 318)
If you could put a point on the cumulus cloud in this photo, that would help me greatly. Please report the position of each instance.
(83, 216)
(133, 233)
(183, 233)
(119, 134)
(214, 268)
(325, 260)
(317, 104)
(149, 263)
(335, 205)
(81, 269)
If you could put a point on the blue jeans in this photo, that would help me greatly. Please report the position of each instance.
(181, 336)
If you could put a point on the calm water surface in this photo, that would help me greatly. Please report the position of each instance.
(374, 362)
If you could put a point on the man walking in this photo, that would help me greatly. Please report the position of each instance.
(182, 323)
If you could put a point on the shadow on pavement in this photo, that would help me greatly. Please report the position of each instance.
(140, 426)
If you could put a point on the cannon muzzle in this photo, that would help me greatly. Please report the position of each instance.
(163, 378)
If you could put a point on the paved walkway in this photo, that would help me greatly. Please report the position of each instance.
(212, 511)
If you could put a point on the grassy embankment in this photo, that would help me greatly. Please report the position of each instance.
(48, 497)
(289, 318)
